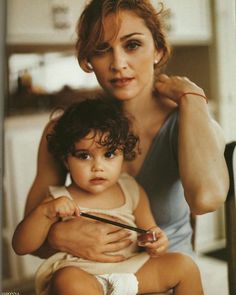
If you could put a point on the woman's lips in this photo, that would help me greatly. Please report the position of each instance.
(122, 82)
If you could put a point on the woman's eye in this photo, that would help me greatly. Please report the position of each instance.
(101, 49)
(132, 45)
(82, 155)
(110, 154)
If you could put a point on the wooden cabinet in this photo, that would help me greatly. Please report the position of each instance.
(189, 22)
(53, 22)
(42, 21)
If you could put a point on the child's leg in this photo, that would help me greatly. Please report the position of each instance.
(72, 280)
(172, 270)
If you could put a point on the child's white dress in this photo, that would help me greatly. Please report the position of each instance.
(135, 259)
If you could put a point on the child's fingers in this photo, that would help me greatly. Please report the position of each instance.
(156, 252)
(157, 248)
(66, 207)
(161, 244)
(76, 210)
(155, 245)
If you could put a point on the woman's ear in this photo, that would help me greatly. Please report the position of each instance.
(86, 65)
(158, 56)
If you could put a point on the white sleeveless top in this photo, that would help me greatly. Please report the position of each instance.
(124, 213)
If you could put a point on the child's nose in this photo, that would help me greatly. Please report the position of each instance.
(97, 165)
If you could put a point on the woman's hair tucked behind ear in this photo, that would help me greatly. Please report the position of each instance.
(90, 28)
(101, 117)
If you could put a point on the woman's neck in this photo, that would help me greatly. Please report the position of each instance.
(139, 108)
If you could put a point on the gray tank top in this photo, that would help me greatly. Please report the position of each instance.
(159, 176)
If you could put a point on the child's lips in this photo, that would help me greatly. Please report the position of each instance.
(97, 180)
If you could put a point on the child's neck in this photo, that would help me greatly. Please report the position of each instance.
(109, 198)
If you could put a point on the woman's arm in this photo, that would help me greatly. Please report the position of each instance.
(49, 172)
(201, 145)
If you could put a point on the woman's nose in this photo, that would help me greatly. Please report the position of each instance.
(118, 61)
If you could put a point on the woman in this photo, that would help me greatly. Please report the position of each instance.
(181, 162)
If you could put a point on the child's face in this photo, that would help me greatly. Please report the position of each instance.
(93, 168)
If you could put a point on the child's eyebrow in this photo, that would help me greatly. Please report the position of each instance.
(81, 150)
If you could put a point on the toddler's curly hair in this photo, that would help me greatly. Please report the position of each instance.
(100, 116)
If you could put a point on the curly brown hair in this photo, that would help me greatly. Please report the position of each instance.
(101, 116)
(90, 27)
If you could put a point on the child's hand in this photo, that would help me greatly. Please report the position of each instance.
(60, 207)
(158, 247)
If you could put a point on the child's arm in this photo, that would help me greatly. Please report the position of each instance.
(31, 233)
(144, 219)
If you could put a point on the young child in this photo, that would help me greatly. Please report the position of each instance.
(92, 139)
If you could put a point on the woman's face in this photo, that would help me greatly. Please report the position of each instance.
(126, 69)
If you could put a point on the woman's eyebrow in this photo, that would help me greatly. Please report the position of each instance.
(123, 38)
(130, 35)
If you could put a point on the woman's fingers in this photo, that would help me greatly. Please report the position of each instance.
(162, 78)
(94, 241)
(117, 246)
(173, 87)
(117, 235)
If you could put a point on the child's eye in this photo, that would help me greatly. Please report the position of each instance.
(81, 155)
(110, 154)
(132, 45)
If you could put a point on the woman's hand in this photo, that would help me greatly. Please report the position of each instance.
(87, 239)
(173, 87)
(158, 247)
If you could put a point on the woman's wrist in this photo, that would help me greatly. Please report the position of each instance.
(189, 93)
(58, 238)
(54, 237)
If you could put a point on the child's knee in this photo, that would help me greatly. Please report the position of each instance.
(65, 281)
(72, 280)
(186, 264)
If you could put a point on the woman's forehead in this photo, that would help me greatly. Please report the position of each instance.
(123, 25)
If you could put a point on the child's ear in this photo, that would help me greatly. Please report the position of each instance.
(64, 160)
